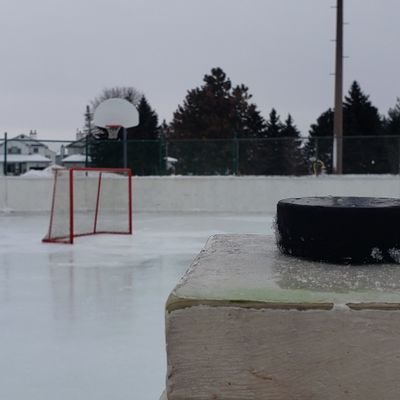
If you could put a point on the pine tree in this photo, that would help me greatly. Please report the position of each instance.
(392, 123)
(206, 111)
(292, 153)
(361, 118)
(360, 154)
(144, 151)
(274, 149)
(319, 143)
(220, 113)
(392, 140)
(282, 152)
(148, 122)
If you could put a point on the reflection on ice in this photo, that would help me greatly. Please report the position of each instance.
(87, 321)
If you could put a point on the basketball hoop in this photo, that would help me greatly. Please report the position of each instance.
(113, 114)
(113, 131)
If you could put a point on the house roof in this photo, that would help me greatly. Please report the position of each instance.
(27, 139)
(25, 158)
(77, 143)
(75, 158)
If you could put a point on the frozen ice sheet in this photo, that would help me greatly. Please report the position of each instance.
(87, 321)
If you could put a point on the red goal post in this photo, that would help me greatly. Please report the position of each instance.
(90, 201)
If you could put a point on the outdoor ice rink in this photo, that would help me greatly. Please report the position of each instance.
(86, 321)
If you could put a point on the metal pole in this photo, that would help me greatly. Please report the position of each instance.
(236, 156)
(87, 151)
(88, 134)
(125, 147)
(5, 154)
(398, 156)
(338, 116)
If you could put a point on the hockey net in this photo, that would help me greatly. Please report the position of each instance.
(89, 201)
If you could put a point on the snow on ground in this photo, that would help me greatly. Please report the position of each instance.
(43, 173)
(86, 321)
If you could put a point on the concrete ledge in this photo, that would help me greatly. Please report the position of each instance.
(246, 322)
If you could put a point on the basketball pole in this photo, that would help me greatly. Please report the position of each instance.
(125, 147)
(338, 113)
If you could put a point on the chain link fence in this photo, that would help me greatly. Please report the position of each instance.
(238, 156)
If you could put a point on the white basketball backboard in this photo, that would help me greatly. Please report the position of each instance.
(116, 112)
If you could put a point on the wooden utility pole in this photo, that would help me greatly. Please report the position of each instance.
(338, 115)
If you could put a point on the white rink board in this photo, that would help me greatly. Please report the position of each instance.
(209, 194)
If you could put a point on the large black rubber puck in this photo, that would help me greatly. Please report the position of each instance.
(346, 230)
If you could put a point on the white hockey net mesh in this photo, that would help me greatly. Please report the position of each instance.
(90, 201)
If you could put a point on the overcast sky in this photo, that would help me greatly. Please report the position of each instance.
(56, 55)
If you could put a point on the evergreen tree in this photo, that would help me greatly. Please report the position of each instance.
(392, 122)
(320, 141)
(144, 151)
(206, 111)
(283, 155)
(361, 118)
(148, 122)
(274, 151)
(392, 140)
(292, 153)
(214, 111)
(274, 125)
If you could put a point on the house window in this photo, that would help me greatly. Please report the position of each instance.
(35, 150)
(14, 150)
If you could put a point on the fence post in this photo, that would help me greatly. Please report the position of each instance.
(235, 155)
(162, 156)
(5, 154)
(317, 148)
(87, 150)
(398, 155)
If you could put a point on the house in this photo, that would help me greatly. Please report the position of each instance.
(75, 161)
(23, 153)
(74, 154)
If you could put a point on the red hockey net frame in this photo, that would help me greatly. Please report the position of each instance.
(70, 210)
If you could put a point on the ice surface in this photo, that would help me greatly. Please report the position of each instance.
(86, 321)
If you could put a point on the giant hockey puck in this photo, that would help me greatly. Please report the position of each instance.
(350, 230)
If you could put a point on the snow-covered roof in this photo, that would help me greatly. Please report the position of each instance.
(27, 139)
(75, 158)
(25, 158)
(77, 143)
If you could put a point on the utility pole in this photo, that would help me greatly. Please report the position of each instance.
(338, 114)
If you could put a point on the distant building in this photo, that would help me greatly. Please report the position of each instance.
(24, 153)
(74, 154)
(75, 161)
